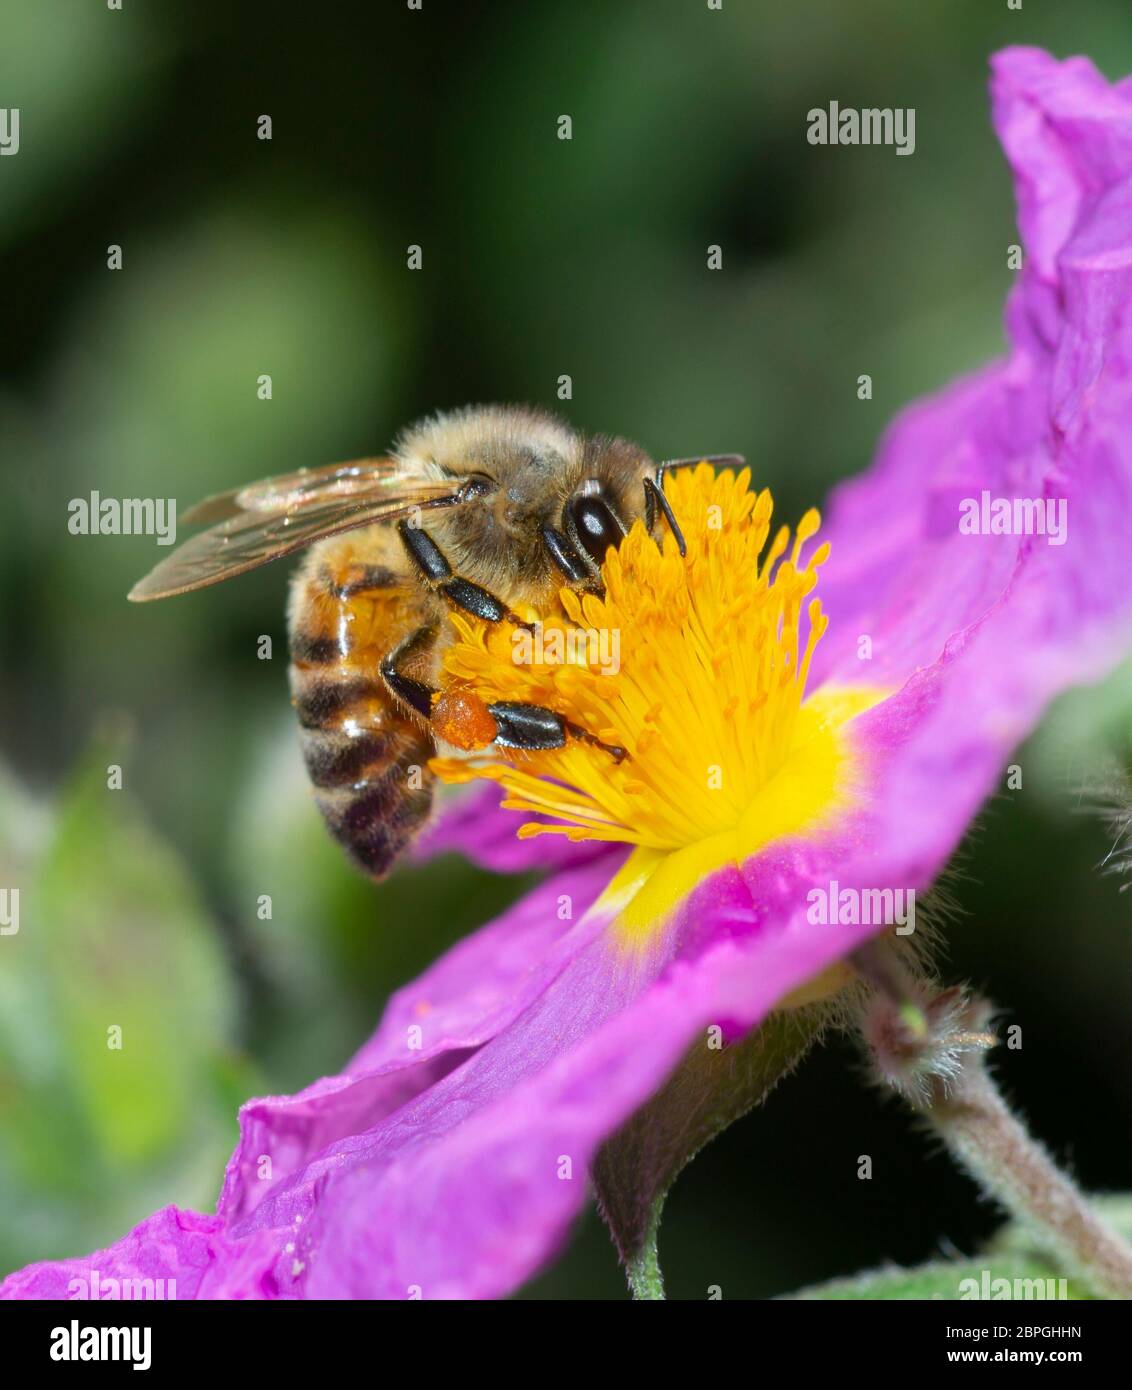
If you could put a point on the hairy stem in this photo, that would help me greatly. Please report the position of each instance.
(931, 1047)
(995, 1148)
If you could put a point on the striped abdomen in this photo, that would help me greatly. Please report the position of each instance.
(366, 756)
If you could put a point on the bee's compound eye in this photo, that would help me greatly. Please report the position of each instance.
(595, 525)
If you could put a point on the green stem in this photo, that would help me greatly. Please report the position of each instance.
(643, 1266)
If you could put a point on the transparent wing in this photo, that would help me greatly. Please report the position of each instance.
(265, 521)
(358, 478)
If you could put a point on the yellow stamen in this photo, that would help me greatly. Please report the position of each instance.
(696, 665)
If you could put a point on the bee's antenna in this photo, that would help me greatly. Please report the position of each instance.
(724, 461)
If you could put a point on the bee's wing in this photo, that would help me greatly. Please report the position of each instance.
(358, 478)
(264, 521)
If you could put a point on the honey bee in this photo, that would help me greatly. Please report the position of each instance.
(484, 509)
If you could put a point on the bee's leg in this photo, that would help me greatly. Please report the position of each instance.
(654, 489)
(416, 694)
(654, 498)
(516, 725)
(537, 729)
(567, 559)
(463, 593)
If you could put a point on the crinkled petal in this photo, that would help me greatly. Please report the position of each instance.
(471, 993)
(1053, 422)
(192, 1256)
(431, 1134)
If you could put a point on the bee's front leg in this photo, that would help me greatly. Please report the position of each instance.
(462, 593)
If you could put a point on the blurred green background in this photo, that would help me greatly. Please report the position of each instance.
(541, 257)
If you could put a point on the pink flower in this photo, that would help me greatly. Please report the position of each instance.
(978, 568)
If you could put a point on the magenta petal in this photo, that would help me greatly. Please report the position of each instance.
(900, 574)
(473, 824)
(473, 1209)
(410, 1202)
(1053, 422)
(468, 1190)
(484, 981)
(470, 994)
(175, 1254)
(1068, 136)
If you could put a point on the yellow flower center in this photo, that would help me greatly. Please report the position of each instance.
(696, 666)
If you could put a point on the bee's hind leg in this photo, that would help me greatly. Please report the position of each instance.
(464, 719)
(538, 729)
(437, 572)
(508, 723)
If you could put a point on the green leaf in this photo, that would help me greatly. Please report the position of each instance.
(1010, 1255)
(112, 937)
(950, 1280)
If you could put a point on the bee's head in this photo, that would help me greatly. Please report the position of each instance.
(550, 503)
(613, 487)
